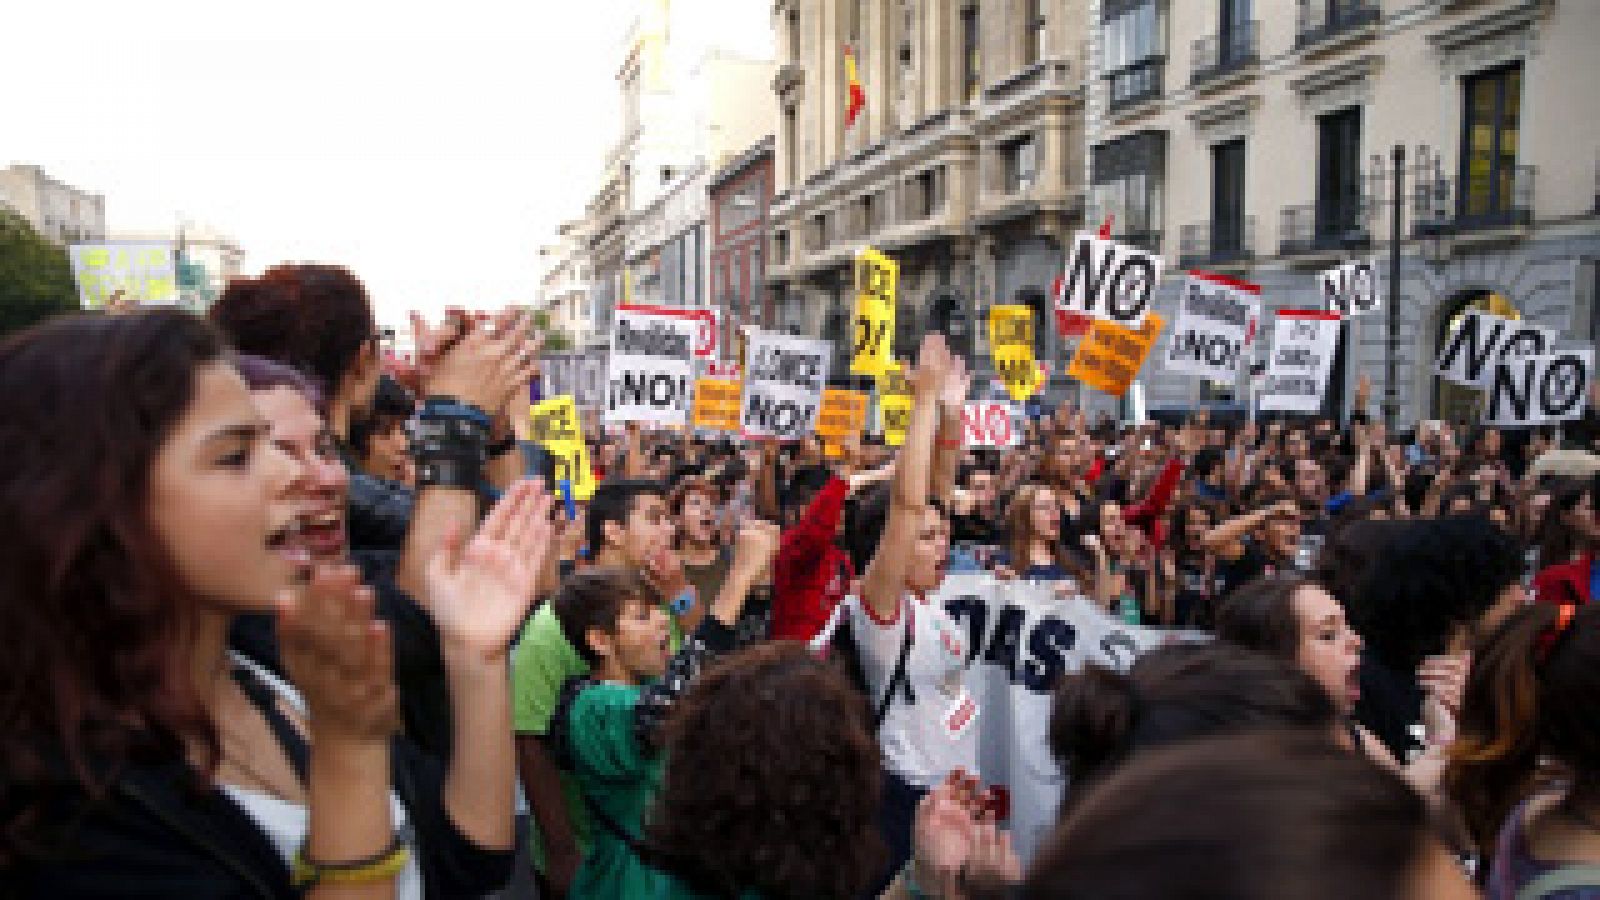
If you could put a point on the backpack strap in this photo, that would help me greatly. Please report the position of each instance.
(898, 677)
(1565, 878)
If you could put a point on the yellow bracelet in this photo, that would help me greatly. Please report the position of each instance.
(385, 865)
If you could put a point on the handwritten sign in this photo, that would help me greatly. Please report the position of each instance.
(877, 280)
(1303, 343)
(1480, 341)
(651, 373)
(1216, 317)
(716, 404)
(783, 385)
(1350, 289)
(894, 405)
(1011, 339)
(1537, 390)
(134, 274)
(1110, 357)
(843, 416)
(557, 428)
(1109, 281)
(991, 425)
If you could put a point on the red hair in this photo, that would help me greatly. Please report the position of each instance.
(315, 318)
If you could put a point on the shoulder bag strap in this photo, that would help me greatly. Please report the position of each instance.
(898, 676)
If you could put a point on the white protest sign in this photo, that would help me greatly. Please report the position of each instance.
(707, 324)
(1216, 318)
(651, 373)
(1480, 340)
(1024, 637)
(991, 424)
(1303, 343)
(1110, 281)
(581, 374)
(1536, 390)
(133, 274)
(1350, 289)
(783, 385)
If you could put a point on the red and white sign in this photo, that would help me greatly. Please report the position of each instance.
(719, 369)
(991, 424)
(705, 345)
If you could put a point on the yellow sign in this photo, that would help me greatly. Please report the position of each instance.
(1110, 356)
(843, 415)
(125, 275)
(557, 428)
(877, 280)
(1011, 343)
(894, 404)
(716, 404)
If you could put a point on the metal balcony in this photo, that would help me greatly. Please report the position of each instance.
(1320, 20)
(1218, 55)
(1217, 243)
(1132, 85)
(1440, 206)
(1304, 231)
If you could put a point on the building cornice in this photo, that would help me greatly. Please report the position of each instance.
(751, 155)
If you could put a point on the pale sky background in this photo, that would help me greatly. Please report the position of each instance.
(428, 146)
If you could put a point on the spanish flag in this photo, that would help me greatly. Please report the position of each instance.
(858, 96)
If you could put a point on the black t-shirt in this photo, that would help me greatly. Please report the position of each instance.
(1390, 705)
(1192, 598)
(1253, 563)
(972, 528)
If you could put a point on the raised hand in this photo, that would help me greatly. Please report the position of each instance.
(933, 365)
(957, 382)
(943, 834)
(339, 657)
(479, 590)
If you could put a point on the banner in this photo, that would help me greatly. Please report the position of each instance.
(1350, 289)
(843, 415)
(783, 387)
(706, 320)
(1110, 357)
(894, 405)
(1022, 637)
(1303, 343)
(1011, 338)
(1537, 390)
(1109, 281)
(1481, 340)
(716, 404)
(651, 373)
(991, 425)
(134, 274)
(877, 280)
(1216, 319)
(557, 428)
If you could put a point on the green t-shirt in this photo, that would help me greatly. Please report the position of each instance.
(619, 776)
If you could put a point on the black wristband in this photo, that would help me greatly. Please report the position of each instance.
(501, 447)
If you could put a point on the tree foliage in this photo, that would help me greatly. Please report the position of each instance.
(35, 275)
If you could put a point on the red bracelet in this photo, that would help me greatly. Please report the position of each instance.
(950, 443)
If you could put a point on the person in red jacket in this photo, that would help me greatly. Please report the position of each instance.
(1567, 539)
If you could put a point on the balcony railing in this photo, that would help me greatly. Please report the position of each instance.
(1320, 20)
(1439, 206)
(1217, 243)
(1302, 231)
(1131, 85)
(1220, 54)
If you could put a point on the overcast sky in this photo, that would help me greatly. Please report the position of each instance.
(430, 151)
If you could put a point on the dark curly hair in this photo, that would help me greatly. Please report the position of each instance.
(313, 317)
(92, 606)
(771, 781)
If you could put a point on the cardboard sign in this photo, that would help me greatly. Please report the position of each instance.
(1537, 390)
(557, 428)
(1011, 338)
(716, 404)
(1303, 343)
(991, 425)
(1110, 357)
(135, 274)
(581, 374)
(1482, 340)
(1216, 316)
(894, 405)
(784, 384)
(707, 324)
(877, 283)
(1109, 281)
(843, 414)
(1350, 289)
(651, 373)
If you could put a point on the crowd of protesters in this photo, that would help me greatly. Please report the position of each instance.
(282, 622)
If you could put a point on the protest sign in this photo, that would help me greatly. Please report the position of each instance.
(1011, 338)
(783, 385)
(1350, 289)
(1109, 281)
(716, 404)
(1022, 637)
(843, 416)
(1536, 390)
(1480, 340)
(991, 425)
(651, 375)
(877, 280)
(706, 320)
(1303, 343)
(556, 427)
(1110, 357)
(132, 274)
(718, 369)
(581, 374)
(1216, 315)
(894, 405)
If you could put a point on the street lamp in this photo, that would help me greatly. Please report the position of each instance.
(1394, 168)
